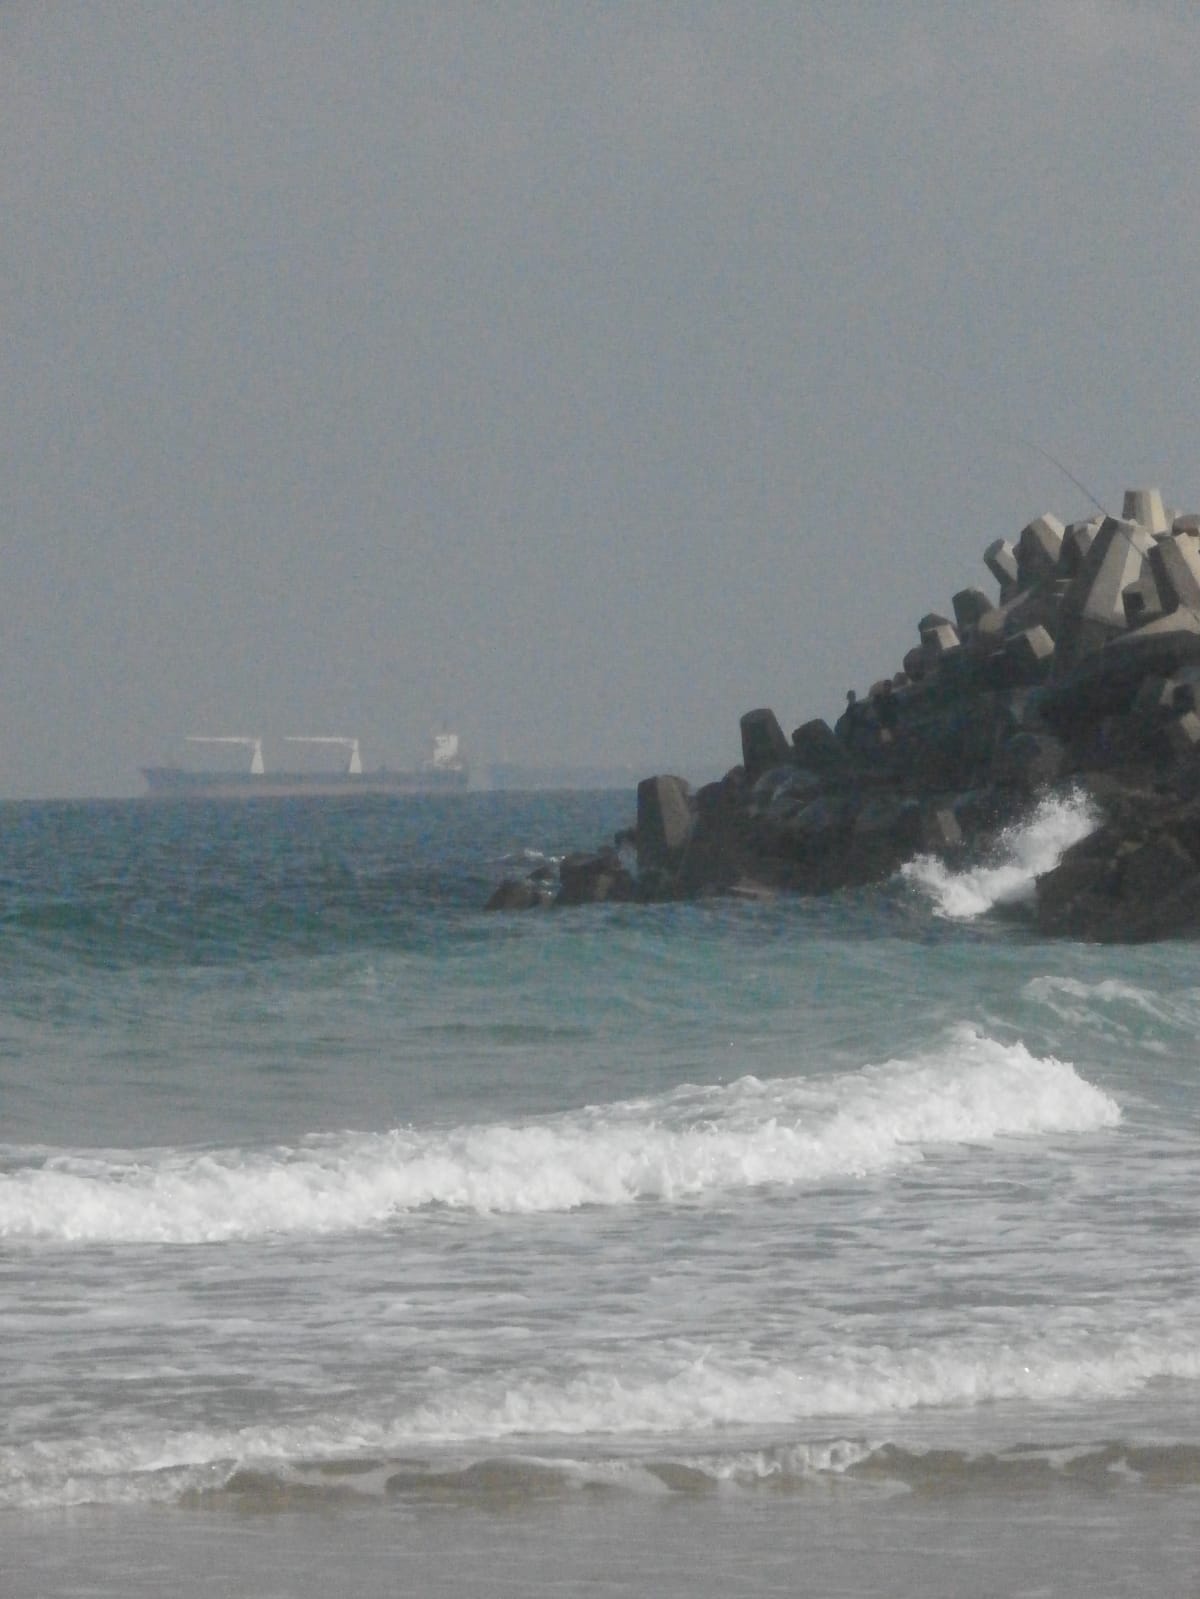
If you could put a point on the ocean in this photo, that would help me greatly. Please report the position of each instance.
(356, 1241)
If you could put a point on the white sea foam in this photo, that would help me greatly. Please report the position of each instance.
(869, 1382)
(675, 1146)
(853, 1387)
(1025, 851)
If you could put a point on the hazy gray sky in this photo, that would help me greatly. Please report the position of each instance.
(575, 376)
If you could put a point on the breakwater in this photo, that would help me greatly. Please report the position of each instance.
(1080, 672)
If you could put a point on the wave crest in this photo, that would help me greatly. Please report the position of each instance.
(671, 1147)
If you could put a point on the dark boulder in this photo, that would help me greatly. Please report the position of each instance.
(1137, 877)
(665, 821)
(763, 743)
(1030, 762)
(817, 747)
(518, 894)
(592, 879)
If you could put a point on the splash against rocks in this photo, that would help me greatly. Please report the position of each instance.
(1082, 676)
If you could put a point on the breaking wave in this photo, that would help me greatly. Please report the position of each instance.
(677, 1146)
(515, 1438)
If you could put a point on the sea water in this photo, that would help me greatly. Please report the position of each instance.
(354, 1240)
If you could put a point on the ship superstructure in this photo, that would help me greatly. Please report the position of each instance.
(445, 772)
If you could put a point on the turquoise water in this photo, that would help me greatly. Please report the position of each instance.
(353, 1239)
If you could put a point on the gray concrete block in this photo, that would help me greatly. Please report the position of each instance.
(1145, 506)
(1175, 563)
(1183, 734)
(1038, 548)
(1001, 561)
(826, 816)
(1034, 607)
(817, 746)
(1029, 761)
(763, 742)
(664, 820)
(940, 832)
(970, 605)
(783, 790)
(1183, 624)
(1076, 542)
(1189, 522)
(914, 663)
(938, 642)
(593, 878)
(1141, 601)
(1030, 648)
(895, 817)
(1152, 702)
(1156, 868)
(1093, 610)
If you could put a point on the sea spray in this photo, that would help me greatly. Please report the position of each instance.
(1024, 851)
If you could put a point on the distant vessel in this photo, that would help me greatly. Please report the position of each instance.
(445, 772)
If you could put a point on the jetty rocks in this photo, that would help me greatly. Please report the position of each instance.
(1081, 672)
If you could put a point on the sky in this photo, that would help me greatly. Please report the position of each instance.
(573, 376)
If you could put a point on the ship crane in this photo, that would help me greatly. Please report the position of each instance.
(257, 768)
(354, 762)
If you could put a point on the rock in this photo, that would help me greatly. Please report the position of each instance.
(1152, 870)
(815, 745)
(783, 791)
(1087, 670)
(590, 879)
(914, 663)
(1030, 650)
(1175, 563)
(887, 832)
(1031, 761)
(1078, 538)
(517, 894)
(1092, 610)
(763, 743)
(1145, 507)
(754, 892)
(938, 642)
(1135, 878)
(940, 831)
(1074, 894)
(1038, 550)
(815, 838)
(1038, 606)
(1183, 734)
(970, 606)
(665, 821)
(1001, 561)
(1141, 601)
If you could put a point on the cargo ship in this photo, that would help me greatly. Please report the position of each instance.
(445, 772)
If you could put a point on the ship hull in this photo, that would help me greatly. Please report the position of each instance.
(177, 782)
